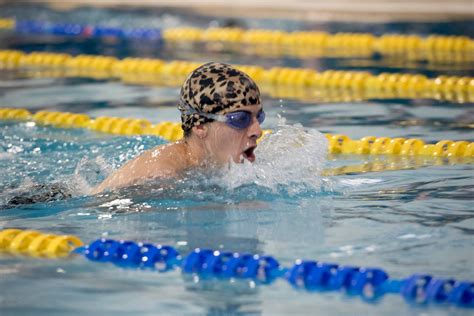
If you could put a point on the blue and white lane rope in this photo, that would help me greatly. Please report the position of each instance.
(368, 283)
(72, 29)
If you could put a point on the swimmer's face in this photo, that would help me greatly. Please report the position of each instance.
(227, 143)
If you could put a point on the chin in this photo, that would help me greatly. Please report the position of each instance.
(239, 159)
(243, 158)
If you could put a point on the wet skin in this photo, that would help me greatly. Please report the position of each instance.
(211, 145)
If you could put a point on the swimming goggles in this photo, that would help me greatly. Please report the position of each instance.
(237, 119)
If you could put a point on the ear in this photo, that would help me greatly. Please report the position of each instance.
(200, 130)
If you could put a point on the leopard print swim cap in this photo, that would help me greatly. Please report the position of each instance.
(214, 88)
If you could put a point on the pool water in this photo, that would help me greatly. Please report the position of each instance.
(418, 219)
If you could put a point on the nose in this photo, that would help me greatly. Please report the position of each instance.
(255, 131)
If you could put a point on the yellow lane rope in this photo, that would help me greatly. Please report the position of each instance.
(338, 144)
(174, 72)
(317, 43)
(36, 244)
(112, 125)
(385, 44)
(278, 91)
(7, 24)
(393, 163)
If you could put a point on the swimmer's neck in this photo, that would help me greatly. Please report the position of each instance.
(198, 154)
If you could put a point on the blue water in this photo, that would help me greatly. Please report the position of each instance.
(405, 221)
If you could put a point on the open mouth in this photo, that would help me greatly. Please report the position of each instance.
(249, 153)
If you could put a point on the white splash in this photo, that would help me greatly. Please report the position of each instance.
(359, 182)
(290, 155)
(118, 204)
(414, 236)
(104, 216)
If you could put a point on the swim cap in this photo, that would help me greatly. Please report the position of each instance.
(214, 88)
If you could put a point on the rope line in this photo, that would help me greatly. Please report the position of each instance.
(297, 43)
(364, 83)
(393, 163)
(338, 144)
(36, 244)
(305, 94)
(368, 283)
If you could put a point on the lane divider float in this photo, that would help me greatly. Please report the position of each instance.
(393, 163)
(368, 283)
(371, 145)
(36, 244)
(297, 43)
(317, 94)
(364, 83)
(170, 131)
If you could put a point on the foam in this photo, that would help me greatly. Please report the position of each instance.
(291, 156)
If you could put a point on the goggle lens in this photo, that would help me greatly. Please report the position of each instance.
(243, 119)
(260, 117)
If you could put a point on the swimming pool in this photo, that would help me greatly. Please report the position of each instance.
(405, 221)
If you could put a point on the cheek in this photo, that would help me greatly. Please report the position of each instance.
(228, 141)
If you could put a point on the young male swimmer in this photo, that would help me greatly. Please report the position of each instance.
(221, 115)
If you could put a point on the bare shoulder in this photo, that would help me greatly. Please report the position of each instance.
(169, 157)
(165, 161)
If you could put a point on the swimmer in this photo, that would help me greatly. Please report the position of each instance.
(221, 115)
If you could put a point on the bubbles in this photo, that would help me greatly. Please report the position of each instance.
(291, 156)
